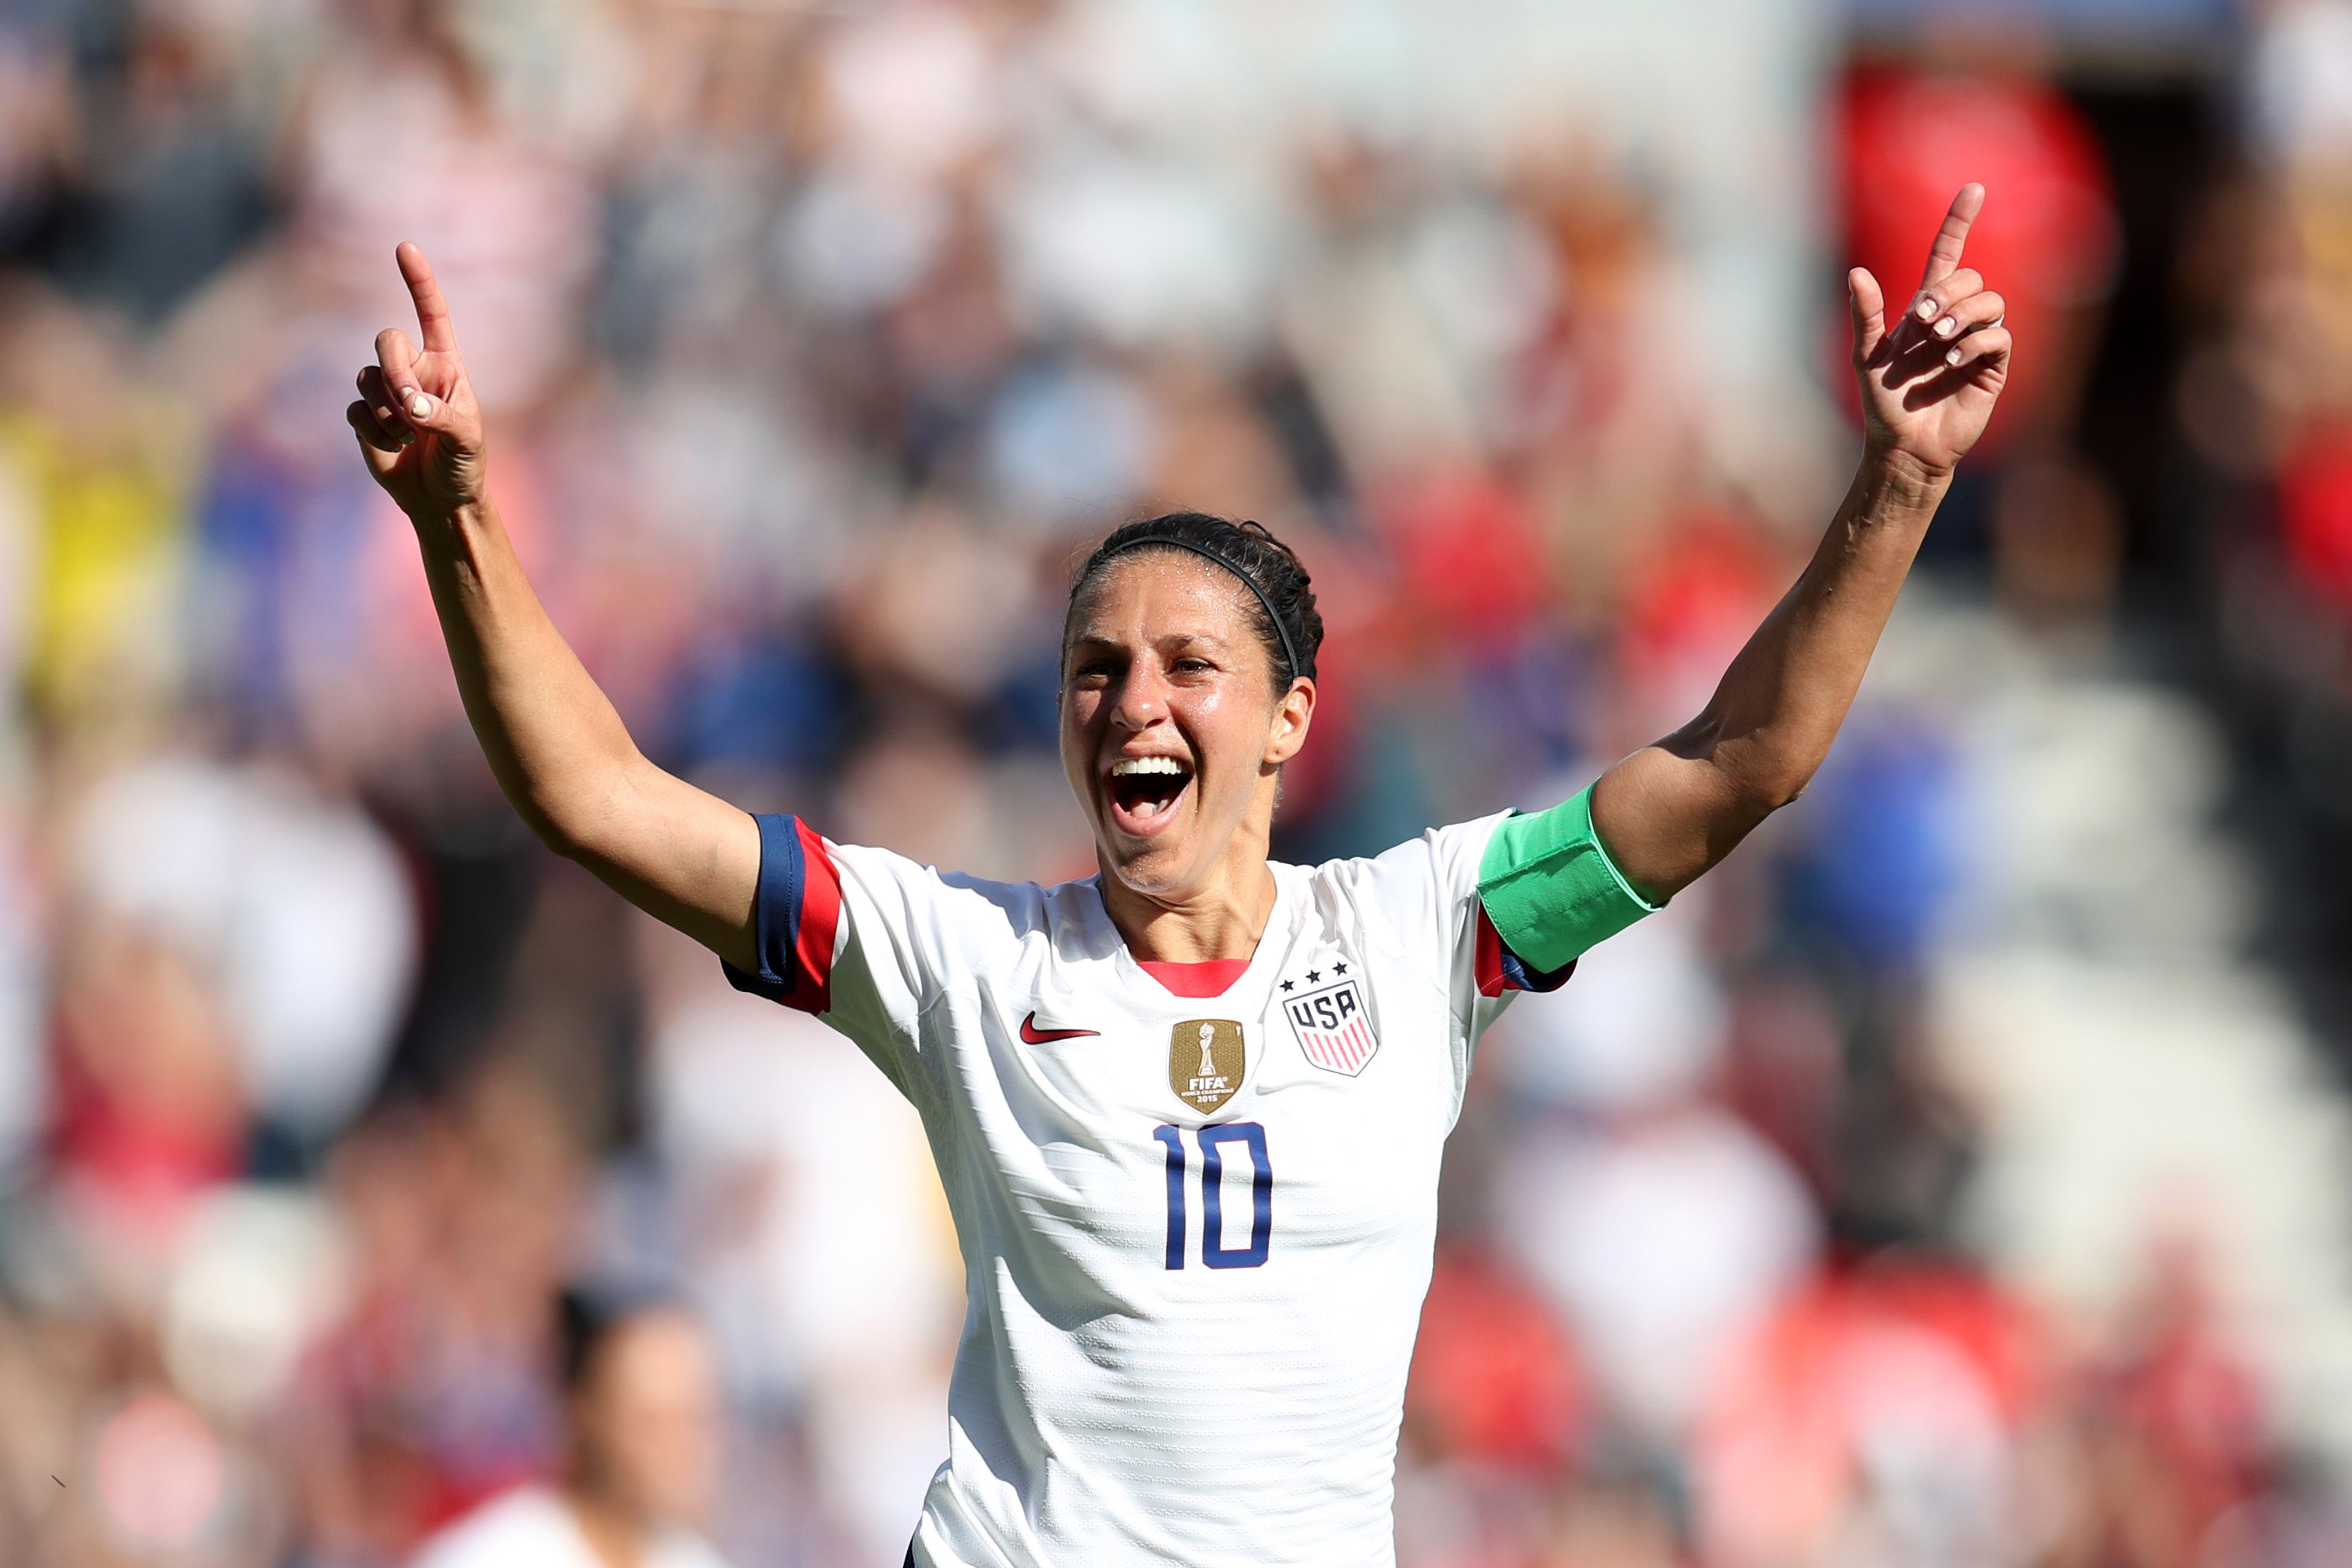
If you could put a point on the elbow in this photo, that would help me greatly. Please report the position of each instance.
(1755, 776)
(581, 815)
(549, 826)
(1761, 791)
(1760, 773)
(1772, 794)
(559, 818)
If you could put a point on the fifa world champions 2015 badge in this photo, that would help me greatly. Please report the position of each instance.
(1332, 1027)
(1206, 1061)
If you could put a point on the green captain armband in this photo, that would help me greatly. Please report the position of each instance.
(1551, 890)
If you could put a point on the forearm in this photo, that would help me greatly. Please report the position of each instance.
(1929, 380)
(562, 754)
(560, 751)
(553, 739)
(1674, 809)
(1772, 720)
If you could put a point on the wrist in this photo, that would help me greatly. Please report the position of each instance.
(453, 528)
(1903, 480)
(436, 512)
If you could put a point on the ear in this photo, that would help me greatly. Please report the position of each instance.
(1293, 717)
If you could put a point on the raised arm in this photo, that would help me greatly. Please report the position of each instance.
(1674, 809)
(560, 753)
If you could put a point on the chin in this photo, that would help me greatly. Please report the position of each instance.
(1154, 870)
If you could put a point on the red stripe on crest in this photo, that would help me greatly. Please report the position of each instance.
(1344, 1049)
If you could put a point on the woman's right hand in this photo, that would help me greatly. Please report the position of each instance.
(419, 427)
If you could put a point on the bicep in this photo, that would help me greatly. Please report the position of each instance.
(1667, 816)
(680, 853)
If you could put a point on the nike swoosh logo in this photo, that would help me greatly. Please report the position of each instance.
(1031, 1034)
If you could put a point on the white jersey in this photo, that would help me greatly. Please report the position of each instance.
(1196, 1230)
(533, 1527)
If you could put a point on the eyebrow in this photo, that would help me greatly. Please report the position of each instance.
(1176, 638)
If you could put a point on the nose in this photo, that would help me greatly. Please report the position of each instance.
(1142, 698)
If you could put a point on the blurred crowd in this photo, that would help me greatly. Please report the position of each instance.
(815, 339)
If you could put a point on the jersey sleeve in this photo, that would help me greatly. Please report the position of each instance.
(1499, 905)
(851, 935)
(1423, 897)
(1550, 890)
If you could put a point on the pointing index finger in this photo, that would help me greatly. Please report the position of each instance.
(432, 311)
(1944, 255)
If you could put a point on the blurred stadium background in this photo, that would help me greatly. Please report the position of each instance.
(1957, 1177)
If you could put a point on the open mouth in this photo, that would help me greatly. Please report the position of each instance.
(1144, 791)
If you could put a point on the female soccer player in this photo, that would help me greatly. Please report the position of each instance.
(1187, 1111)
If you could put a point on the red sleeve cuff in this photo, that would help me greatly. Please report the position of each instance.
(795, 918)
(1499, 969)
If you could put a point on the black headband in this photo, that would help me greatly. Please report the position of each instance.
(1289, 648)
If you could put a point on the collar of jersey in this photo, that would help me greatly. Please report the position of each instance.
(1273, 943)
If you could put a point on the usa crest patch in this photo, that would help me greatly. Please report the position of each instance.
(1332, 1027)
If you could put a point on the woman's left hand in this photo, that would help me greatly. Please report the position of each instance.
(1930, 382)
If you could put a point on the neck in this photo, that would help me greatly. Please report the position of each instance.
(609, 1530)
(1223, 920)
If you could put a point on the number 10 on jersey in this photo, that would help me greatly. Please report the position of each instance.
(1213, 1141)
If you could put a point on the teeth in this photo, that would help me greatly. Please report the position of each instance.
(1127, 767)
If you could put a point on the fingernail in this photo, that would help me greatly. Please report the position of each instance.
(1947, 326)
(1953, 358)
(420, 406)
(1927, 310)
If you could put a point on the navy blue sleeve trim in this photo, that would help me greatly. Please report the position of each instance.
(1497, 968)
(775, 911)
(1519, 977)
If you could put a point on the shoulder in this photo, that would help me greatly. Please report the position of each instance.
(529, 1525)
(1413, 895)
(964, 909)
(1444, 858)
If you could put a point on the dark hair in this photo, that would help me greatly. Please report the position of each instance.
(1281, 603)
(587, 1315)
